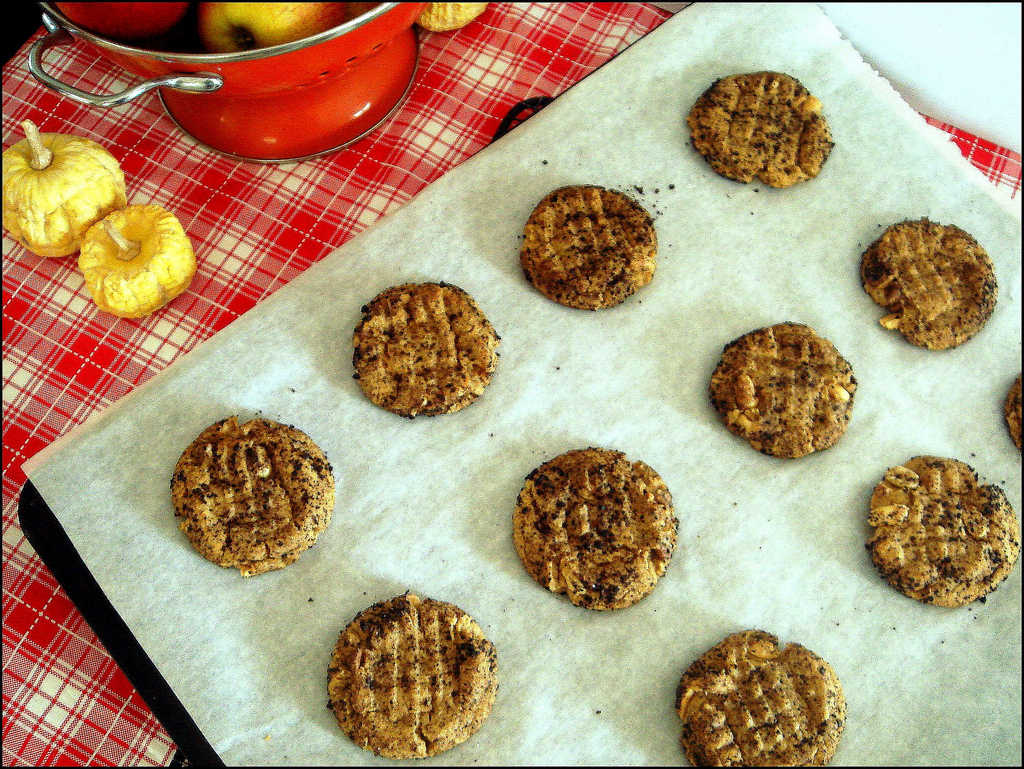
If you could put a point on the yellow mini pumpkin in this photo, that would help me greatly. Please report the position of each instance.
(444, 17)
(55, 187)
(136, 260)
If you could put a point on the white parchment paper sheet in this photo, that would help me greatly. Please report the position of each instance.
(426, 504)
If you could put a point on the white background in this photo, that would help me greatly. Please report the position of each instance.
(958, 62)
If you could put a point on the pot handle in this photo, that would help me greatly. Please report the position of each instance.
(199, 83)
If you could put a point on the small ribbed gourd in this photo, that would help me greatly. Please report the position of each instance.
(136, 260)
(445, 17)
(55, 187)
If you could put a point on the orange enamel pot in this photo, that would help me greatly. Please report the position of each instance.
(272, 105)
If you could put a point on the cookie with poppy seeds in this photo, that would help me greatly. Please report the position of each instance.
(936, 281)
(784, 389)
(588, 247)
(1011, 410)
(749, 702)
(424, 349)
(252, 496)
(596, 527)
(411, 677)
(938, 535)
(760, 125)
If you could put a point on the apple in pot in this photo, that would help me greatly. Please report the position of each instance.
(234, 27)
(126, 22)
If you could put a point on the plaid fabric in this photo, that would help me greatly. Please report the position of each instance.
(254, 228)
(1000, 165)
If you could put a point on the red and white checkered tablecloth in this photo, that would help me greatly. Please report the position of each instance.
(254, 227)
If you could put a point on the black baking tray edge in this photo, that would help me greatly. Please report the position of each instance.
(51, 542)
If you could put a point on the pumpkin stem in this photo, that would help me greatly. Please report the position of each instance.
(126, 249)
(41, 155)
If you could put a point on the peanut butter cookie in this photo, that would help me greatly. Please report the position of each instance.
(424, 349)
(596, 527)
(411, 677)
(784, 389)
(252, 496)
(748, 702)
(1011, 409)
(762, 125)
(589, 247)
(936, 281)
(938, 535)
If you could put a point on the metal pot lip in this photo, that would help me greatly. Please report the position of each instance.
(51, 10)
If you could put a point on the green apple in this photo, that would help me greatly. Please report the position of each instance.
(233, 27)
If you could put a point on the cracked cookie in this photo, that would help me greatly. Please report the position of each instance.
(784, 389)
(252, 496)
(938, 535)
(588, 247)
(411, 677)
(424, 349)
(760, 125)
(593, 526)
(936, 281)
(748, 702)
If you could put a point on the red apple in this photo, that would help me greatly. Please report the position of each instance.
(232, 27)
(125, 22)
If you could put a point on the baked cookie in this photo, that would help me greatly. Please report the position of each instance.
(252, 496)
(1012, 411)
(937, 283)
(784, 389)
(596, 527)
(588, 247)
(762, 125)
(411, 677)
(424, 348)
(939, 536)
(748, 702)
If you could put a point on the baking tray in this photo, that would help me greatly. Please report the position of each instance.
(827, 596)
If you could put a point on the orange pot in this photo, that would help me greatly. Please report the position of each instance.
(272, 105)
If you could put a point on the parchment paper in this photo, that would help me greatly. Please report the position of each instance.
(426, 504)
